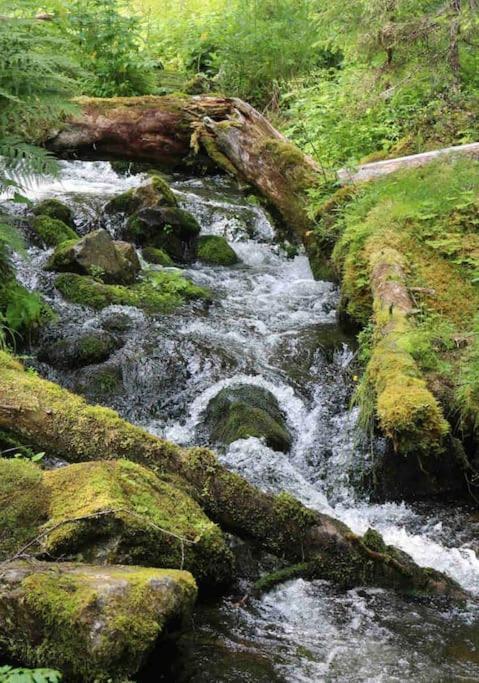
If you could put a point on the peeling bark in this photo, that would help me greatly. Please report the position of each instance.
(181, 132)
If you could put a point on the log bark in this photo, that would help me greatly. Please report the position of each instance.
(185, 133)
(50, 418)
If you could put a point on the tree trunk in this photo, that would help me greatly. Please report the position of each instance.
(182, 132)
(50, 418)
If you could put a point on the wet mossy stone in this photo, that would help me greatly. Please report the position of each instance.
(157, 256)
(53, 208)
(52, 231)
(142, 520)
(171, 229)
(158, 292)
(74, 351)
(95, 624)
(99, 255)
(244, 411)
(23, 504)
(100, 383)
(215, 250)
(155, 193)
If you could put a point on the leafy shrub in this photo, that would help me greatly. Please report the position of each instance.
(8, 674)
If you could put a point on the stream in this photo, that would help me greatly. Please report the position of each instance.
(272, 325)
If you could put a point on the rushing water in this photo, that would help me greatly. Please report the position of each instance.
(272, 325)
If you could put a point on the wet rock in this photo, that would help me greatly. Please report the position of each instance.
(97, 254)
(117, 321)
(93, 623)
(243, 411)
(100, 383)
(52, 231)
(157, 256)
(77, 350)
(171, 229)
(215, 250)
(53, 208)
(155, 193)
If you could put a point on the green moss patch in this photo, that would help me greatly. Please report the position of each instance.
(53, 208)
(159, 292)
(215, 250)
(52, 231)
(157, 256)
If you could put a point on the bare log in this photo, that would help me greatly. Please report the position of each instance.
(51, 418)
(182, 132)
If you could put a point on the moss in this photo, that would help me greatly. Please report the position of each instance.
(53, 208)
(155, 193)
(269, 581)
(157, 257)
(373, 540)
(215, 250)
(62, 256)
(52, 231)
(159, 292)
(23, 504)
(148, 515)
(95, 625)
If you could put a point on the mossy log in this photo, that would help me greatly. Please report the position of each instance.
(407, 411)
(184, 132)
(55, 420)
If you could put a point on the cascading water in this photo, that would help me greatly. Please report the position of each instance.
(271, 325)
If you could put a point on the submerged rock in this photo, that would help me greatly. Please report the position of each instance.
(159, 292)
(171, 229)
(100, 383)
(243, 411)
(52, 231)
(54, 209)
(93, 623)
(99, 255)
(79, 349)
(215, 250)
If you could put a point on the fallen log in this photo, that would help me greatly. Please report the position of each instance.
(183, 133)
(52, 419)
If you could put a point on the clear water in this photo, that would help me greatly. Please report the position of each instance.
(272, 325)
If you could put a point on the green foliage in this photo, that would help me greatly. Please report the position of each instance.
(9, 674)
(36, 80)
(114, 51)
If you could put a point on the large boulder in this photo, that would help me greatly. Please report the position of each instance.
(93, 623)
(156, 192)
(215, 251)
(99, 255)
(110, 512)
(171, 229)
(239, 412)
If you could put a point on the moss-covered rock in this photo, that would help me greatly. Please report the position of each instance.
(77, 350)
(100, 383)
(244, 411)
(23, 504)
(52, 231)
(159, 292)
(97, 254)
(215, 250)
(155, 193)
(95, 624)
(54, 209)
(157, 256)
(171, 229)
(141, 519)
